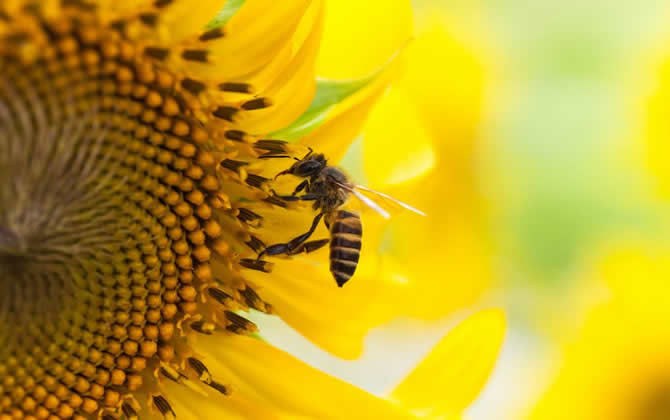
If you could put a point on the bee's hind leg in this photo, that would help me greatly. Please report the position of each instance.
(290, 246)
(310, 246)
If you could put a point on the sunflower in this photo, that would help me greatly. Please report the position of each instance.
(137, 192)
(616, 365)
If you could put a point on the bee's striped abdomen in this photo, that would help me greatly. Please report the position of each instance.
(346, 232)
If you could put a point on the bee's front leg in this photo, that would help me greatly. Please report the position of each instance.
(304, 197)
(304, 184)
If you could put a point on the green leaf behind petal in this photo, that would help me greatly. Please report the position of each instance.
(328, 94)
(225, 14)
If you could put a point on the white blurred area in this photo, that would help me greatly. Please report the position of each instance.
(390, 351)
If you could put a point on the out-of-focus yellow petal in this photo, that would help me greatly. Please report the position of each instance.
(359, 36)
(455, 371)
(439, 263)
(268, 377)
(436, 101)
(644, 262)
(446, 78)
(657, 130)
(398, 146)
(420, 147)
(616, 365)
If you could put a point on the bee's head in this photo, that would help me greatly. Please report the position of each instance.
(306, 167)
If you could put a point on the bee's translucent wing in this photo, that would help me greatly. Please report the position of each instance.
(368, 202)
(384, 200)
(381, 203)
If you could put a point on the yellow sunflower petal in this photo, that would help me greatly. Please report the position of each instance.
(256, 34)
(419, 147)
(271, 378)
(188, 405)
(657, 131)
(437, 100)
(448, 77)
(395, 122)
(352, 46)
(293, 90)
(455, 371)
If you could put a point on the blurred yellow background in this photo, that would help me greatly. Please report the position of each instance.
(535, 135)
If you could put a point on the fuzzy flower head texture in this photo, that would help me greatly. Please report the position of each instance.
(137, 198)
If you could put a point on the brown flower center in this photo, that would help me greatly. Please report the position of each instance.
(111, 211)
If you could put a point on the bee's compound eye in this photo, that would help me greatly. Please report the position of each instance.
(308, 168)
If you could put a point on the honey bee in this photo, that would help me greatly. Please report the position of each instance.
(329, 188)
